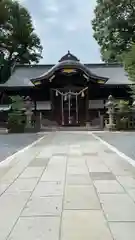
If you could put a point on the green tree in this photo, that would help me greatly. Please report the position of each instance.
(129, 65)
(17, 103)
(123, 106)
(3, 13)
(16, 117)
(129, 62)
(114, 27)
(18, 40)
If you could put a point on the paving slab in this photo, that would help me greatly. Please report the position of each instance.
(53, 175)
(55, 170)
(3, 187)
(77, 170)
(111, 186)
(11, 206)
(74, 152)
(80, 225)
(36, 228)
(127, 181)
(46, 153)
(12, 174)
(76, 161)
(118, 207)
(23, 185)
(78, 179)
(123, 230)
(97, 167)
(3, 171)
(120, 170)
(102, 176)
(81, 197)
(32, 172)
(43, 206)
(45, 189)
(131, 193)
(39, 162)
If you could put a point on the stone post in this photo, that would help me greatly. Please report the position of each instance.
(28, 112)
(28, 118)
(37, 122)
(101, 121)
(111, 108)
(133, 105)
(133, 114)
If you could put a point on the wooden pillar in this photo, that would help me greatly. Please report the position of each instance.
(35, 106)
(52, 107)
(87, 105)
(37, 117)
(35, 112)
(62, 110)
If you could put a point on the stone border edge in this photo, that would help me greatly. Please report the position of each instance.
(9, 159)
(114, 149)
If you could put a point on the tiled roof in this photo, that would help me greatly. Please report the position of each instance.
(23, 73)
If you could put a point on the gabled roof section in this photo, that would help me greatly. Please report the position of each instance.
(115, 72)
(67, 64)
(22, 74)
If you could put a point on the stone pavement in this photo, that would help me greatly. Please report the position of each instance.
(69, 186)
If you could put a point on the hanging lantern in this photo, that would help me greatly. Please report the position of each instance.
(83, 94)
(56, 93)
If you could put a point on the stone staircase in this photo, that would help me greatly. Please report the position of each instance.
(71, 128)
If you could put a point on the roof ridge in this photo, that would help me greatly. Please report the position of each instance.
(85, 64)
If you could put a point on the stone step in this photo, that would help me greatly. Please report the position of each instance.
(70, 128)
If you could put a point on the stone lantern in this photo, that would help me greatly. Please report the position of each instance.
(133, 105)
(133, 108)
(28, 111)
(111, 109)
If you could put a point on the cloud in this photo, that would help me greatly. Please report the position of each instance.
(64, 25)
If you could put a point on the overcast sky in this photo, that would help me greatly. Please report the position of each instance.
(64, 25)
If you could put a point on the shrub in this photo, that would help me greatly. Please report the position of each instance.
(16, 122)
(16, 118)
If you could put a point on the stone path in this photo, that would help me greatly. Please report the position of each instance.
(68, 187)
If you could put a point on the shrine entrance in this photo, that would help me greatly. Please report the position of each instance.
(69, 84)
(70, 106)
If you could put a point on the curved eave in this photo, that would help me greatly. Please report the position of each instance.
(66, 65)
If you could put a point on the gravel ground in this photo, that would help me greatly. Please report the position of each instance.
(123, 141)
(9, 144)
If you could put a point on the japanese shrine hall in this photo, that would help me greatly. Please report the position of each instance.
(69, 93)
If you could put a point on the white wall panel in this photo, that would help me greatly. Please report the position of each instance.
(94, 104)
(46, 105)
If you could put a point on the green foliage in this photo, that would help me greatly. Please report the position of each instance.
(129, 62)
(122, 123)
(114, 27)
(16, 122)
(16, 118)
(17, 103)
(132, 92)
(123, 106)
(18, 41)
(3, 13)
